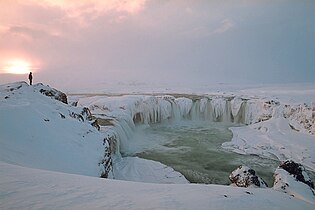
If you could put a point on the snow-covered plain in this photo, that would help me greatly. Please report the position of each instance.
(26, 188)
(39, 132)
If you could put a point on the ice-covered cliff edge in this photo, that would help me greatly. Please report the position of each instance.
(265, 119)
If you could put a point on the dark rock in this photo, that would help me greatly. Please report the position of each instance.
(286, 182)
(244, 176)
(77, 116)
(74, 103)
(53, 93)
(86, 113)
(96, 125)
(298, 172)
(107, 160)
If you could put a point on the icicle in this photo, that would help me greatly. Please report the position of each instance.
(227, 116)
(204, 109)
(195, 110)
(184, 105)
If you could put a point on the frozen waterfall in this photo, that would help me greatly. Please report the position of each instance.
(125, 112)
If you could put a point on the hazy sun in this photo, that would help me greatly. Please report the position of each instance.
(17, 67)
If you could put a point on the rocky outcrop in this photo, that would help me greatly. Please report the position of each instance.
(302, 117)
(297, 171)
(244, 176)
(292, 179)
(107, 160)
(51, 92)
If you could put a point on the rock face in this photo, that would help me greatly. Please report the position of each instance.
(244, 176)
(291, 178)
(53, 93)
(297, 171)
(107, 160)
(301, 117)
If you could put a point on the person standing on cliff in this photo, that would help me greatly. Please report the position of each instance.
(30, 77)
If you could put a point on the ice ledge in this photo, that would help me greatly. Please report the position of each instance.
(273, 139)
(149, 171)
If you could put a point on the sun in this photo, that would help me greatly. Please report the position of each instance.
(17, 67)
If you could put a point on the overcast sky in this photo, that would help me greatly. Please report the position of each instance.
(83, 43)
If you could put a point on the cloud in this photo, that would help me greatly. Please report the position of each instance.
(204, 30)
(94, 8)
(225, 25)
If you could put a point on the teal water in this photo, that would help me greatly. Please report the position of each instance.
(194, 149)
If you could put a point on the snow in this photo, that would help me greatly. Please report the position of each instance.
(244, 176)
(60, 156)
(273, 139)
(33, 133)
(26, 188)
(141, 170)
(284, 182)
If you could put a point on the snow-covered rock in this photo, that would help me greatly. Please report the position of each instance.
(297, 171)
(301, 116)
(291, 178)
(51, 92)
(244, 176)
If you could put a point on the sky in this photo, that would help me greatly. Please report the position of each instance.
(86, 43)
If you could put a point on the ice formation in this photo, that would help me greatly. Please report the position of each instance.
(126, 111)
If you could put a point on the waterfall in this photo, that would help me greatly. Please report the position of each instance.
(129, 111)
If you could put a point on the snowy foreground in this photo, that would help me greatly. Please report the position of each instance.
(51, 156)
(26, 188)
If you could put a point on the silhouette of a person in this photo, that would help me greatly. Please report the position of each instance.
(30, 77)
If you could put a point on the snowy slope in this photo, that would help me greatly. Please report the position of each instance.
(25, 188)
(37, 131)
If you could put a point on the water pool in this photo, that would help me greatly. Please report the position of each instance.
(194, 149)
